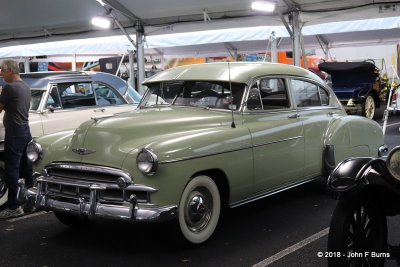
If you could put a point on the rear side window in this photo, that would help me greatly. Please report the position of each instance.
(309, 94)
(105, 95)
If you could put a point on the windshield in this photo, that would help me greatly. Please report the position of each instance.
(206, 94)
(36, 96)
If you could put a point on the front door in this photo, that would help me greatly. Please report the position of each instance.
(277, 135)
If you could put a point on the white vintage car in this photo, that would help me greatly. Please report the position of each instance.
(63, 100)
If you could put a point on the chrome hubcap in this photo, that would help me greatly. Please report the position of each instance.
(198, 210)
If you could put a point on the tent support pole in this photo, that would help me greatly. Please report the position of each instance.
(140, 57)
(131, 80)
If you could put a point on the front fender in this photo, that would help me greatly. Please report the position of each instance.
(348, 174)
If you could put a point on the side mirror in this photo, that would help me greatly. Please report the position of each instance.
(393, 162)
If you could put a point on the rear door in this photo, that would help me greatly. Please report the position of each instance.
(316, 110)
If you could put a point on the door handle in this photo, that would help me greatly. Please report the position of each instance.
(331, 113)
(99, 110)
(294, 116)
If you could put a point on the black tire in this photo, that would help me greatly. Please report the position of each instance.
(369, 107)
(73, 221)
(357, 226)
(3, 188)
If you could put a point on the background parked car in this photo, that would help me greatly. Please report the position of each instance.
(63, 100)
(224, 134)
(358, 85)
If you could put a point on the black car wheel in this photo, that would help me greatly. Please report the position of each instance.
(358, 229)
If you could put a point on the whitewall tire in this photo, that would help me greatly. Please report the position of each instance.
(199, 209)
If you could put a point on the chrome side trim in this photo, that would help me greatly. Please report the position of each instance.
(270, 193)
(229, 150)
(278, 141)
(206, 155)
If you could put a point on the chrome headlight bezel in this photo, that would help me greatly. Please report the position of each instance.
(34, 151)
(147, 161)
(393, 162)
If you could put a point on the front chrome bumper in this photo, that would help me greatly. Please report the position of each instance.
(92, 207)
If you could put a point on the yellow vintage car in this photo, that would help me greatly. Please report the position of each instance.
(215, 135)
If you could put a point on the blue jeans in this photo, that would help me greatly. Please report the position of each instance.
(17, 164)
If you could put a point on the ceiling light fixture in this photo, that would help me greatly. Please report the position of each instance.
(102, 22)
(101, 2)
(266, 6)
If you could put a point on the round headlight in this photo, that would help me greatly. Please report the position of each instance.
(33, 151)
(393, 162)
(147, 161)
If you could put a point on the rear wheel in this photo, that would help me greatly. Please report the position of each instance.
(357, 229)
(368, 107)
(199, 209)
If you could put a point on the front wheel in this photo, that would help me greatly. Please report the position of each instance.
(358, 229)
(199, 209)
(368, 107)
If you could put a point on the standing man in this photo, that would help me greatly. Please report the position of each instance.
(15, 100)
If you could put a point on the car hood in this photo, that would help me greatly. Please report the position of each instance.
(110, 140)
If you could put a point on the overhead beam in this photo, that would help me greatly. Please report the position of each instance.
(324, 44)
(122, 9)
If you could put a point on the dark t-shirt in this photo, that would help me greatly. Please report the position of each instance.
(16, 98)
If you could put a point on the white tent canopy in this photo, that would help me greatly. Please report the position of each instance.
(213, 42)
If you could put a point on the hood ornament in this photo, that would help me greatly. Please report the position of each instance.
(83, 151)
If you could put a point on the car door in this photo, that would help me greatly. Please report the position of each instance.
(277, 135)
(68, 105)
(315, 113)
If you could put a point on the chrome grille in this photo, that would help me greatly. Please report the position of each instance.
(89, 173)
(73, 181)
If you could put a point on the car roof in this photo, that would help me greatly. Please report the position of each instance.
(239, 72)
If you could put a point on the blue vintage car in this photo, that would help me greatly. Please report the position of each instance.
(357, 85)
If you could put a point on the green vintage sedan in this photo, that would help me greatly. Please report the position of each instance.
(220, 135)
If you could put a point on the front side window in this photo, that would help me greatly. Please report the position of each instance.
(268, 94)
(205, 94)
(36, 96)
(105, 95)
(75, 95)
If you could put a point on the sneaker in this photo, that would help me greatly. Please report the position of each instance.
(9, 213)
(27, 207)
